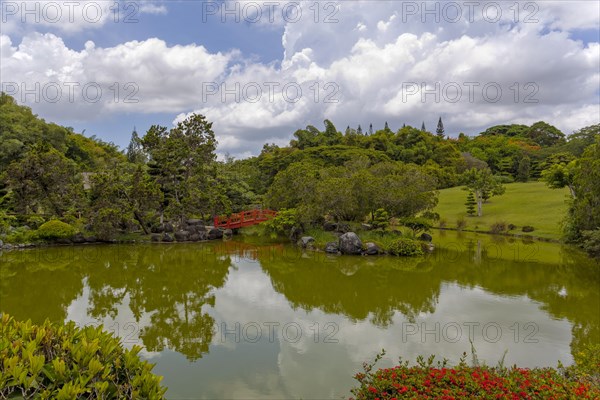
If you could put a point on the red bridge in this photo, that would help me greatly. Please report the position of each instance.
(244, 218)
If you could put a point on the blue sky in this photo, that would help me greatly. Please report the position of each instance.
(356, 62)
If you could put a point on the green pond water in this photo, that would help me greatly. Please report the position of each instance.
(238, 319)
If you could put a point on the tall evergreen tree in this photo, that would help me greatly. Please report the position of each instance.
(423, 126)
(386, 127)
(470, 203)
(135, 151)
(371, 129)
(359, 130)
(440, 128)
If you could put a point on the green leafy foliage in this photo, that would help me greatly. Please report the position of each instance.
(471, 203)
(66, 362)
(55, 229)
(283, 222)
(405, 247)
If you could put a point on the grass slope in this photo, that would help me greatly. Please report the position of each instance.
(531, 203)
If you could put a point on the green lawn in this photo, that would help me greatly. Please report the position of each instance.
(530, 203)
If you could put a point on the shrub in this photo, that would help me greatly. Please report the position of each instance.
(55, 229)
(405, 247)
(591, 242)
(504, 178)
(381, 219)
(431, 215)
(437, 381)
(282, 224)
(67, 362)
(6, 221)
(511, 227)
(498, 227)
(527, 228)
(461, 224)
(21, 235)
(35, 221)
(416, 224)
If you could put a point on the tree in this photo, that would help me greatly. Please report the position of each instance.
(523, 169)
(423, 127)
(545, 134)
(183, 164)
(481, 181)
(381, 219)
(440, 128)
(584, 215)
(359, 130)
(470, 203)
(135, 151)
(386, 126)
(44, 181)
(559, 175)
(370, 129)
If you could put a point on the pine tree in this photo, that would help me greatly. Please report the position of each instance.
(386, 127)
(404, 125)
(370, 129)
(423, 126)
(470, 204)
(135, 151)
(359, 130)
(440, 128)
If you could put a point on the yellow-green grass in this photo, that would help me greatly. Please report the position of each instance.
(531, 203)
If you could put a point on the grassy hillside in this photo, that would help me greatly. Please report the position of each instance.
(530, 203)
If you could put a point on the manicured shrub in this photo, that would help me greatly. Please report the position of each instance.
(511, 227)
(51, 361)
(381, 219)
(498, 227)
(55, 229)
(405, 247)
(282, 224)
(436, 381)
(527, 228)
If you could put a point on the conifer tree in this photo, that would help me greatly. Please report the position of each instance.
(470, 204)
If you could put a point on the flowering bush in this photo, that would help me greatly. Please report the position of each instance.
(436, 381)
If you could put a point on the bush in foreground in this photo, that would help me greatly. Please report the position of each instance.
(437, 381)
(51, 361)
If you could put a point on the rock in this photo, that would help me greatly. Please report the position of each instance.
(332, 248)
(366, 227)
(182, 236)
(306, 242)
(169, 227)
(343, 228)
(426, 237)
(372, 249)
(195, 222)
(227, 233)
(78, 238)
(196, 228)
(194, 237)
(295, 234)
(215, 233)
(1, 243)
(350, 243)
(329, 226)
(167, 238)
(428, 247)
(155, 237)
(91, 239)
(7, 246)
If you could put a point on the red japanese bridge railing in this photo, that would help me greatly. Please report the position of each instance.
(244, 218)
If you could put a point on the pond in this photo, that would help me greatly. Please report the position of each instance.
(237, 319)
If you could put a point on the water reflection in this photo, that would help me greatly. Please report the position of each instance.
(198, 308)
